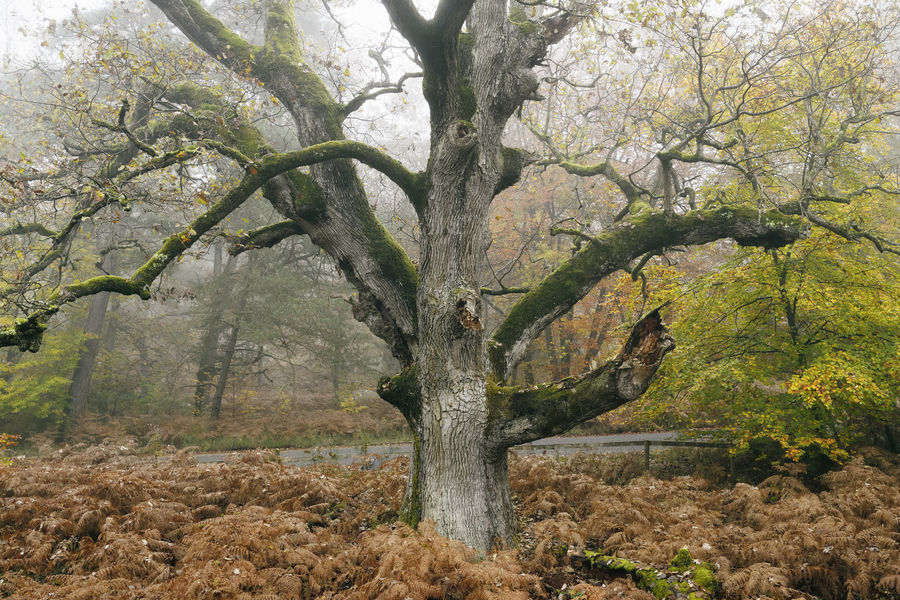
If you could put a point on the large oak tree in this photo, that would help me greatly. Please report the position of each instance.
(480, 61)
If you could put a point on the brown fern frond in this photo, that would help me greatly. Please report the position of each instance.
(890, 583)
(759, 579)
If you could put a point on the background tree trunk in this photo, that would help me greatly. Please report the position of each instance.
(80, 389)
(208, 354)
(215, 407)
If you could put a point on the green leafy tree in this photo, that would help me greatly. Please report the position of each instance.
(798, 346)
(35, 389)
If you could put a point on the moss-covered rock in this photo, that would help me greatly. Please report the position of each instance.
(704, 576)
(684, 579)
(682, 561)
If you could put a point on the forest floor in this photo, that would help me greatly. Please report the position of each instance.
(316, 424)
(109, 522)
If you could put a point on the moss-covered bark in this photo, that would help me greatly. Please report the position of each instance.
(650, 230)
(26, 228)
(522, 415)
(265, 237)
(512, 161)
(402, 390)
(205, 29)
(411, 509)
(26, 334)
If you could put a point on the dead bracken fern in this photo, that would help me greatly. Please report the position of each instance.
(103, 523)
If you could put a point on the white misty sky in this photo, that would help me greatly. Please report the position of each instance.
(33, 16)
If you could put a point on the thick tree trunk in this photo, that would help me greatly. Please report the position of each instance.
(460, 481)
(459, 476)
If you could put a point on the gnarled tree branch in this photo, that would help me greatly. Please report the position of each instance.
(341, 221)
(27, 333)
(524, 415)
(265, 237)
(631, 192)
(614, 249)
(26, 228)
(375, 90)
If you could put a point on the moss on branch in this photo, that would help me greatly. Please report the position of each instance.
(519, 415)
(685, 578)
(631, 192)
(281, 30)
(95, 285)
(650, 230)
(211, 34)
(265, 237)
(519, 18)
(402, 391)
(26, 334)
(26, 228)
(413, 184)
(178, 242)
(390, 257)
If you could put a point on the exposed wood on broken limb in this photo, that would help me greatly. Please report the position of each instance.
(524, 415)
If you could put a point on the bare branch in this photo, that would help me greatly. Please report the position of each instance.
(121, 127)
(573, 232)
(631, 191)
(372, 91)
(557, 27)
(853, 233)
(505, 291)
